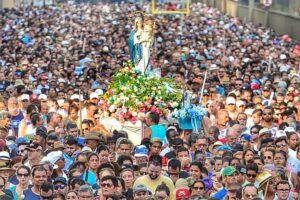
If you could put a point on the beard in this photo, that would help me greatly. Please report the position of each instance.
(153, 177)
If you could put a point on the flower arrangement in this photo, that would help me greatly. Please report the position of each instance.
(132, 94)
(189, 117)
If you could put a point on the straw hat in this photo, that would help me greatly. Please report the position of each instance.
(263, 178)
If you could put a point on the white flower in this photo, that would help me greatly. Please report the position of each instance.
(112, 108)
(134, 114)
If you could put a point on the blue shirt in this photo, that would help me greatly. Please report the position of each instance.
(68, 161)
(221, 194)
(159, 131)
(90, 177)
(15, 121)
(29, 195)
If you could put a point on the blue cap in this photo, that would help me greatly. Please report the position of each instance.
(141, 151)
(246, 137)
(60, 179)
(224, 148)
(21, 140)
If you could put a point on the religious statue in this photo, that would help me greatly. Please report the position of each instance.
(135, 48)
(142, 36)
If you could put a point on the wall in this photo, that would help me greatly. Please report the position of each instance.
(281, 22)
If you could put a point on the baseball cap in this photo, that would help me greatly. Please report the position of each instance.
(60, 179)
(182, 193)
(141, 151)
(25, 97)
(228, 171)
(33, 146)
(140, 188)
(241, 169)
(230, 100)
(264, 131)
(280, 133)
(246, 137)
(43, 97)
(224, 148)
(94, 95)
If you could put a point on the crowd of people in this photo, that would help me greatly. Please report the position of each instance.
(57, 62)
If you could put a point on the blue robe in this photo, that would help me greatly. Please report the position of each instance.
(135, 50)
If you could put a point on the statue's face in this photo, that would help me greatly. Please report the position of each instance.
(139, 24)
(148, 28)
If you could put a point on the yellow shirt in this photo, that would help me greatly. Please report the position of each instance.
(152, 184)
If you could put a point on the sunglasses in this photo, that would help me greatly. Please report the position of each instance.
(251, 175)
(106, 185)
(199, 188)
(280, 145)
(60, 186)
(267, 113)
(267, 157)
(254, 132)
(20, 175)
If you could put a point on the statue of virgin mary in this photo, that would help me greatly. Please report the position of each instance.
(135, 47)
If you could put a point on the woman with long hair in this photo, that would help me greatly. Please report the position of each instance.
(23, 176)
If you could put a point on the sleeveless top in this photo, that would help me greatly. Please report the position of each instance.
(158, 131)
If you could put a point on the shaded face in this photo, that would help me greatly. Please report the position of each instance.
(267, 115)
(23, 176)
(155, 148)
(249, 193)
(124, 149)
(107, 187)
(195, 172)
(231, 138)
(128, 178)
(198, 189)
(94, 162)
(293, 140)
(140, 195)
(174, 174)
(103, 157)
(39, 178)
(279, 159)
(162, 195)
(60, 188)
(251, 176)
(46, 195)
(268, 157)
(22, 151)
(85, 195)
(154, 171)
(70, 149)
(283, 191)
(72, 196)
(201, 145)
(281, 145)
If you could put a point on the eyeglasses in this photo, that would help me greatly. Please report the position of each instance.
(106, 185)
(59, 186)
(198, 188)
(21, 175)
(280, 145)
(177, 147)
(267, 157)
(46, 198)
(238, 84)
(283, 190)
(251, 175)
(174, 174)
(254, 132)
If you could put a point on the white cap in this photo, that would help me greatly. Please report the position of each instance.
(290, 129)
(86, 148)
(60, 102)
(4, 155)
(230, 100)
(94, 95)
(43, 96)
(282, 57)
(280, 133)
(76, 96)
(25, 97)
(99, 92)
(240, 103)
(53, 157)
